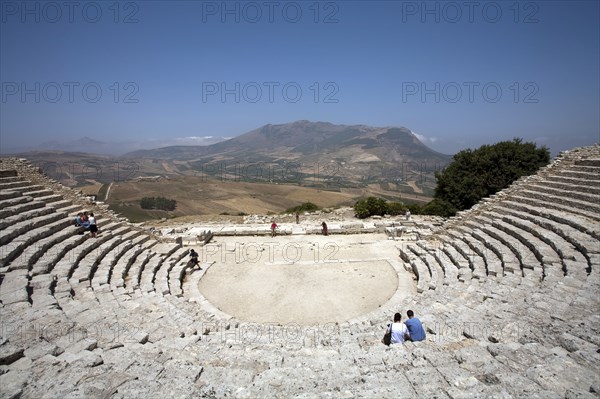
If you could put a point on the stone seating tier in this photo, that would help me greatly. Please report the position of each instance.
(508, 295)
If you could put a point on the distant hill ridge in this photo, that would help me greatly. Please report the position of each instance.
(309, 142)
(323, 153)
(318, 154)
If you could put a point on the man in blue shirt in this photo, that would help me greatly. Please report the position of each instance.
(415, 328)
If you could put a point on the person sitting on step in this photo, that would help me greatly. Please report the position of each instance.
(399, 331)
(415, 327)
(82, 220)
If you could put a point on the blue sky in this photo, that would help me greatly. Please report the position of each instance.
(459, 74)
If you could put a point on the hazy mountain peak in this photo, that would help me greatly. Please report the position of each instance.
(309, 141)
(87, 141)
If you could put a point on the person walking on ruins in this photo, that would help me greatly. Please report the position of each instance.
(399, 332)
(297, 218)
(194, 259)
(415, 327)
(273, 227)
(324, 229)
(93, 225)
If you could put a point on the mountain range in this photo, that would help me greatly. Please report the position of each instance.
(310, 153)
(303, 138)
(354, 152)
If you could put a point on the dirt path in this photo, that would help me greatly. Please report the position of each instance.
(108, 191)
(168, 168)
(413, 185)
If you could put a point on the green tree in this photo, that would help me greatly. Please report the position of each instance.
(147, 203)
(305, 207)
(369, 207)
(165, 204)
(437, 207)
(395, 208)
(476, 174)
(415, 209)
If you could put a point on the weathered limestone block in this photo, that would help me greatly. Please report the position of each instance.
(41, 349)
(559, 375)
(427, 381)
(84, 358)
(13, 384)
(10, 353)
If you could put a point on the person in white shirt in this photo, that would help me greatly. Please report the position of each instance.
(399, 330)
(93, 226)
